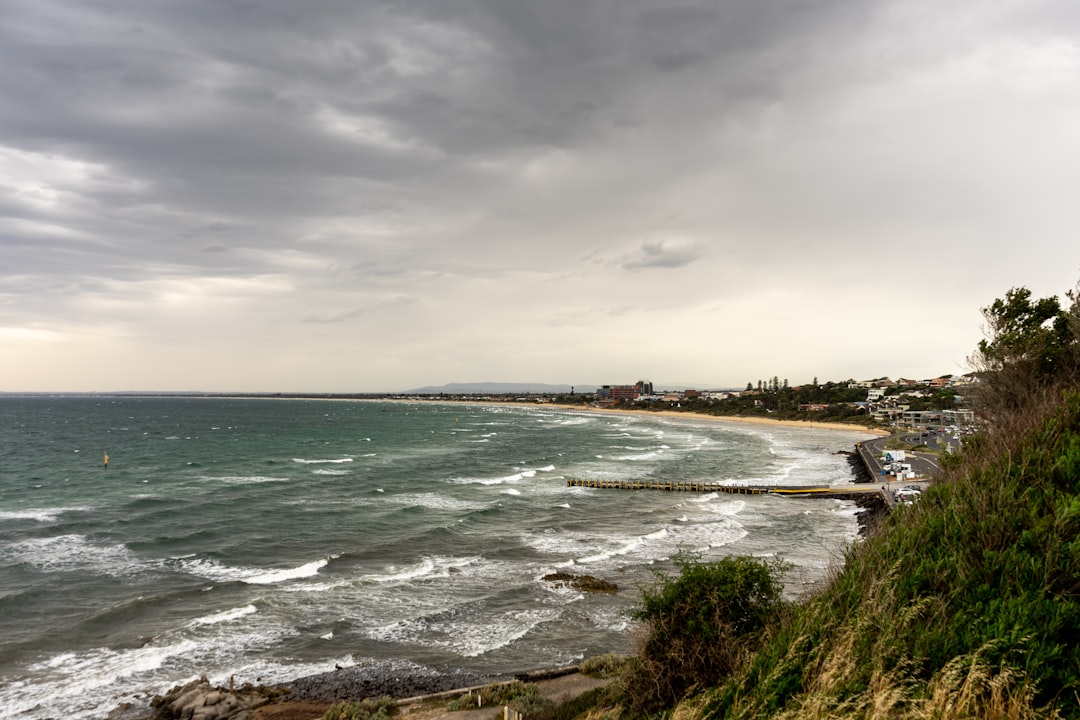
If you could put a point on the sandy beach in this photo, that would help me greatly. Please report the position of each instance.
(744, 419)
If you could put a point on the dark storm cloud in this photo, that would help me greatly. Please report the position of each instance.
(281, 167)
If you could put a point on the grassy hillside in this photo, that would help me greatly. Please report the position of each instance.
(966, 604)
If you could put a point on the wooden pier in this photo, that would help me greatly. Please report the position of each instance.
(840, 491)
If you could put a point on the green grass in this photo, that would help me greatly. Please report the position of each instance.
(975, 590)
(965, 605)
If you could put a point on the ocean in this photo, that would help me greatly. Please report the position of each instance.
(265, 539)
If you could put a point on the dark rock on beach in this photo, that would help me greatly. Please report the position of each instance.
(858, 468)
(873, 509)
(360, 682)
(199, 700)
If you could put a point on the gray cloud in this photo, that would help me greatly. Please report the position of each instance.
(186, 178)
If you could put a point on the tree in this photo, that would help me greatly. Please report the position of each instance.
(1029, 354)
(749, 386)
(1021, 333)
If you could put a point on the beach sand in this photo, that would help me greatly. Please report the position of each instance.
(746, 419)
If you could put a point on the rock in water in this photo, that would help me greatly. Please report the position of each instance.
(584, 583)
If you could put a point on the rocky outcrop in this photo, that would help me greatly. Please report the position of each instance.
(584, 583)
(199, 700)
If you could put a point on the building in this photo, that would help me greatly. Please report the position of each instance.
(625, 392)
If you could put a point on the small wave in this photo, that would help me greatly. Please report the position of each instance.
(249, 479)
(427, 567)
(223, 616)
(628, 547)
(435, 501)
(468, 637)
(516, 477)
(546, 469)
(302, 461)
(641, 456)
(276, 576)
(213, 570)
(324, 471)
(67, 553)
(39, 514)
(82, 684)
(511, 491)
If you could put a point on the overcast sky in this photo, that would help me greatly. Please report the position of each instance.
(345, 195)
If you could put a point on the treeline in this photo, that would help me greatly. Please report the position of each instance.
(824, 402)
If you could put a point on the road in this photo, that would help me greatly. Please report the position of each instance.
(924, 464)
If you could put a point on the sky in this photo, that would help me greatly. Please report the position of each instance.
(367, 196)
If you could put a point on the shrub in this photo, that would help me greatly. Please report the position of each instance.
(699, 627)
(522, 697)
(603, 666)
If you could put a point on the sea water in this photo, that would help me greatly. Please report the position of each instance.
(264, 539)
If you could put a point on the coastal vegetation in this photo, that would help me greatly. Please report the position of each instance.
(963, 605)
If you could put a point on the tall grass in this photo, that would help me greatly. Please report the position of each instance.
(965, 605)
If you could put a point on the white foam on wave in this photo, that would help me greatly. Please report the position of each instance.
(324, 471)
(730, 508)
(302, 461)
(249, 479)
(73, 685)
(625, 548)
(470, 636)
(223, 616)
(427, 567)
(436, 501)
(516, 477)
(276, 576)
(511, 491)
(40, 514)
(68, 553)
(652, 455)
(214, 570)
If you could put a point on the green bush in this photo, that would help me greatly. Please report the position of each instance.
(699, 627)
(603, 666)
(522, 697)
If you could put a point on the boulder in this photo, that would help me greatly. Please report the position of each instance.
(199, 700)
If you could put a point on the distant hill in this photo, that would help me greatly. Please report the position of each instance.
(499, 388)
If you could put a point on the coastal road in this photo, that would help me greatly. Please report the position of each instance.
(925, 465)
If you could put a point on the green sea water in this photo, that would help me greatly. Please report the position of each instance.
(269, 539)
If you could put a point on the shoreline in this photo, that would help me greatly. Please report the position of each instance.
(683, 414)
(741, 419)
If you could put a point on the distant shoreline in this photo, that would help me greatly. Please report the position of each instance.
(688, 414)
(395, 398)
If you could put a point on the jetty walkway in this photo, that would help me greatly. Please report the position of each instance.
(836, 491)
